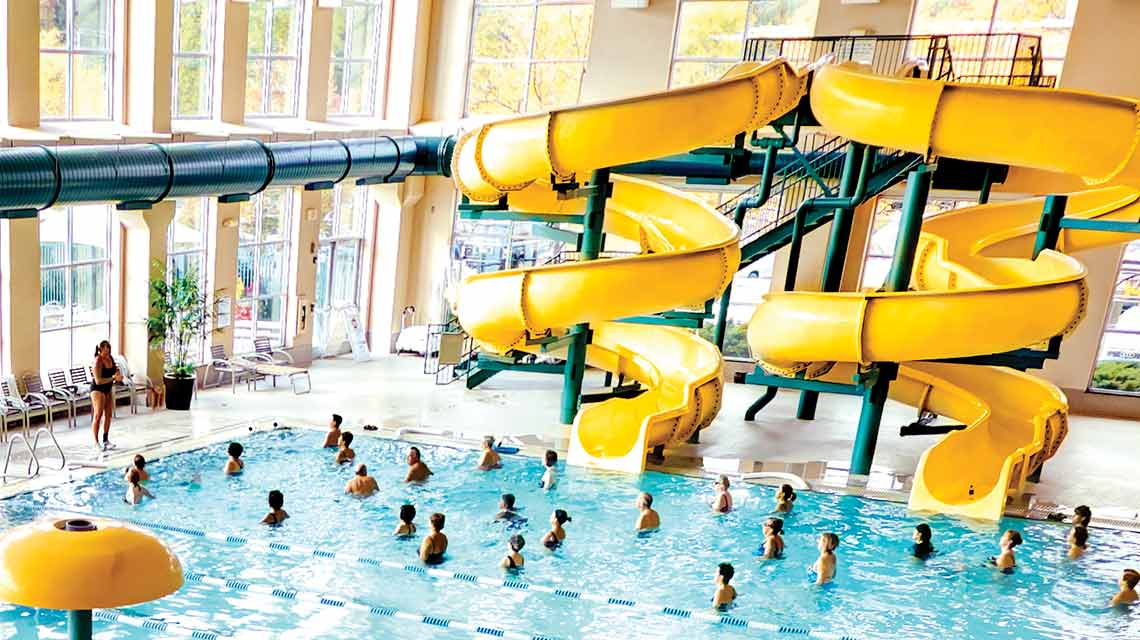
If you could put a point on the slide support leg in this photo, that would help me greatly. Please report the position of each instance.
(761, 402)
(79, 624)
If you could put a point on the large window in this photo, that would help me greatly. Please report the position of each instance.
(885, 230)
(1118, 361)
(75, 59)
(75, 279)
(355, 58)
(263, 268)
(1050, 19)
(187, 240)
(527, 56)
(193, 58)
(711, 33)
(338, 266)
(274, 62)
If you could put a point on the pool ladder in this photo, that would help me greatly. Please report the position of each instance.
(34, 464)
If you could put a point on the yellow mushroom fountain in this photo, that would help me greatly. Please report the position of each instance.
(82, 564)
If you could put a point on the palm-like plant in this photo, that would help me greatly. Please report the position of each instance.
(180, 315)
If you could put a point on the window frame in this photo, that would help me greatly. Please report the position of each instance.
(286, 245)
(208, 56)
(529, 60)
(203, 252)
(269, 58)
(71, 53)
(376, 60)
(68, 267)
(1125, 264)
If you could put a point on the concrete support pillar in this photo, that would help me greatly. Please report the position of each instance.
(222, 268)
(20, 287)
(316, 57)
(302, 298)
(149, 73)
(393, 244)
(231, 36)
(408, 51)
(144, 259)
(20, 66)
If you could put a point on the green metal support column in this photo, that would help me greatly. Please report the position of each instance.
(1049, 231)
(898, 279)
(836, 250)
(79, 624)
(592, 221)
(987, 184)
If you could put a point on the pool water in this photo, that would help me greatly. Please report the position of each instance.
(879, 592)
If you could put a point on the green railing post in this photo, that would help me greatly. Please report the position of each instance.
(79, 624)
(898, 279)
(592, 223)
(795, 247)
(1049, 230)
(987, 183)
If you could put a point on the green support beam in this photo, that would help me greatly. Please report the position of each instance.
(1049, 229)
(1115, 226)
(572, 238)
(759, 377)
(502, 215)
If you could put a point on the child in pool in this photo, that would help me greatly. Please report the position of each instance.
(553, 538)
(722, 503)
(1006, 561)
(824, 567)
(332, 438)
(725, 593)
(1078, 541)
(773, 544)
(489, 459)
(346, 454)
(922, 547)
(785, 499)
(514, 559)
(139, 465)
(234, 464)
(406, 528)
(277, 513)
(550, 476)
(135, 491)
(1128, 581)
(647, 518)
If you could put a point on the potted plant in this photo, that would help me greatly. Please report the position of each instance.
(179, 317)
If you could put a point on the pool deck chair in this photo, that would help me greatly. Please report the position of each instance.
(221, 365)
(50, 399)
(263, 350)
(11, 393)
(133, 384)
(12, 410)
(57, 378)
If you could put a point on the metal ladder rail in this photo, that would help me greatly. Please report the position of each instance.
(33, 462)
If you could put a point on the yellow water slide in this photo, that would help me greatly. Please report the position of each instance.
(689, 252)
(977, 291)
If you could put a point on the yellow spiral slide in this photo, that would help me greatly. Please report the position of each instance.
(977, 290)
(689, 252)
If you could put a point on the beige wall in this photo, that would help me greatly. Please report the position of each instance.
(630, 50)
(887, 17)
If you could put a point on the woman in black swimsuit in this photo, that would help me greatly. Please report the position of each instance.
(553, 538)
(435, 543)
(514, 559)
(106, 374)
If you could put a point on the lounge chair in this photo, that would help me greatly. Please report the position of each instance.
(79, 397)
(221, 366)
(11, 394)
(12, 410)
(263, 350)
(51, 400)
(133, 383)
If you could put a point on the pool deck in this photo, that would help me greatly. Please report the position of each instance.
(1095, 465)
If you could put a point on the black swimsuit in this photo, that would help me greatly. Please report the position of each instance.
(105, 372)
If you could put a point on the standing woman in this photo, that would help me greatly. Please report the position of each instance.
(106, 374)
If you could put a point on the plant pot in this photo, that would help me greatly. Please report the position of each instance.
(179, 391)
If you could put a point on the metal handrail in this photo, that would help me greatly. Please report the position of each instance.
(55, 443)
(32, 460)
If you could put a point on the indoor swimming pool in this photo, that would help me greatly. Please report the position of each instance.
(334, 569)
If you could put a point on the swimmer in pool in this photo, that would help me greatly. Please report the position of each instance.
(553, 538)
(406, 528)
(785, 499)
(417, 470)
(1082, 515)
(345, 454)
(234, 464)
(1127, 595)
(507, 509)
(647, 518)
(135, 491)
(489, 459)
(550, 476)
(824, 567)
(514, 559)
(1078, 541)
(922, 547)
(725, 593)
(773, 543)
(722, 503)
(435, 543)
(277, 513)
(332, 438)
(361, 485)
(138, 464)
(1005, 561)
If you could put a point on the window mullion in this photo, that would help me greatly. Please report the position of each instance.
(530, 58)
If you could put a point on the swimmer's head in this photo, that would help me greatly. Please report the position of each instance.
(276, 499)
(336, 420)
(922, 533)
(1011, 538)
(346, 438)
(724, 573)
(550, 457)
(517, 543)
(828, 542)
(407, 513)
(437, 520)
(787, 493)
(645, 500)
(413, 455)
(507, 501)
(1079, 536)
(1082, 515)
(235, 449)
(776, 525)
(560, 516)
(722, 481)
(133, 476)
(488, 442)
(361, 470)
(1129, 579)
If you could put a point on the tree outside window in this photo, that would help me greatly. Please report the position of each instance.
(193, 58)
(353, 78)
(1118, 360)
(273, 63)
(75, 59)
(527, 56)
(711, 33)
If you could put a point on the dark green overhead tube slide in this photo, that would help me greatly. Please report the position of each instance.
(138, 175)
